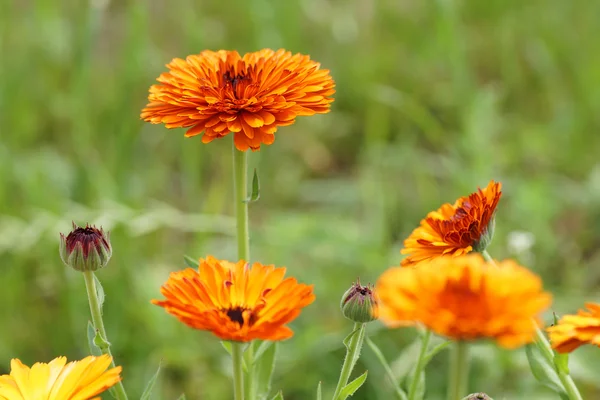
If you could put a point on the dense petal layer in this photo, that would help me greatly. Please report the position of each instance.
(573, 331)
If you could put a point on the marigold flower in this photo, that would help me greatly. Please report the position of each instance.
(236, 302)
(251, 95)
(573, 331)
(455, 229)
(57, 380)
(465, 298)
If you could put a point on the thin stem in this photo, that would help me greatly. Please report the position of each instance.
(546, 349)
(237, 353)
(240, 190)
(96, 311)
(240, 177)
(459, 371)
(420, 364)
(352, 354)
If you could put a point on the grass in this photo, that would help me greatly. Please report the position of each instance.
(434, 99)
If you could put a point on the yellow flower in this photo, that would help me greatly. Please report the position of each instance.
(57, 380)
(234, 301)
(251, 95)
(573, 331)
(454, 229)
(465, 298)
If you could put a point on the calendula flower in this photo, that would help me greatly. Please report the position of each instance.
(465, 298)
(251, 95)
(235, 301)
(59, 380)
(573, 331)
(455, 229)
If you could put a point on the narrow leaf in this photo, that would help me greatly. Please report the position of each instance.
(319, 393)
(182, 397)
(265, 345)
(255, 189)
(353, 386)
(264, 370)
(434, 351)
(388, 371)
(190, 262)
(278, 396)
(150, 386)
(542, 370)
(91, 335)
(227, 346)
(99, 291)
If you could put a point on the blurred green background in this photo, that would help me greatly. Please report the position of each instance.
(433, 99)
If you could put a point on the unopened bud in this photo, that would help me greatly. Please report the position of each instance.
(85, 249)
(360, 303)
(477, 396)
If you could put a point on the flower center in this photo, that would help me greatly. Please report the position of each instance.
(237, 83)
(237, 315)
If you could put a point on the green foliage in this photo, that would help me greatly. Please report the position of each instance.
(433, 99)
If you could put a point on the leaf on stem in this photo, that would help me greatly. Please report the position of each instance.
(390, 374)
(434, 351)
(543, 371)
(91, 336)
(190, 262)
(99, 292)
(150, 386)
(278, 396)
(263, 368)
(182, 397)
(352, 387)
(319, 392)
(255, 189)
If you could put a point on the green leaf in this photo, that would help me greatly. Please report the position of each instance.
(182, 397)
(227, 346)
(561, 361)
(434, 351)
(255, 189)
(150, 386)
(278, 396)
(420, 391)
(190, 262)
(543, 371)
(263, 368)
(319, 392)
(99, 292)
(352, 387)
(91, 335)
(388, 371)
(264, 345)
(349, 337)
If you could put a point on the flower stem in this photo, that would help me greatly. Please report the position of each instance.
(420, 364)
(240, 190)
(237, 353)
(459, 371)
(544, 346)
(352, 353)
(96, 311)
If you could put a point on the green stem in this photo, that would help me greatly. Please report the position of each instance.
(352, 354)
(420, 364)
(459, 371)
(546, 349)
(240, 187)
(96, 311)
(237, 354)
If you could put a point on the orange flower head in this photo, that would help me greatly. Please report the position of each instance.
(251, 95)
(465, 298)
(573, 331)
(59, 380)
(455, 229)
(236, 302)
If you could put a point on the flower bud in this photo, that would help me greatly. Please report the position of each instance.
(360, 303)
(85, 249)
(478, 396)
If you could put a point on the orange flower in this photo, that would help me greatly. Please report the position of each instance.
(221, 92)
(573, 331)
(234, 301)
(465, 298)
(77, 380)
(455, 229)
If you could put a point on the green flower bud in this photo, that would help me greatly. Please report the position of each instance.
(360, 303)
(85, 249)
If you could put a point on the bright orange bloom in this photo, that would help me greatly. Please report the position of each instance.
(236, 302)
(455, 229)
(573, 331)
(57, 380)
(222, 92)
(465, 298)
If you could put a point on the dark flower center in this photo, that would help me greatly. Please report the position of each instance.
(237, 315)
(234, 80)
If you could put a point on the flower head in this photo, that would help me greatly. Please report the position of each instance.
(57, 380)
(360, 303)
(573, 331)
(250, 95)
(455, 229)
(234, 301)
(465, 298)
(85, 249)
